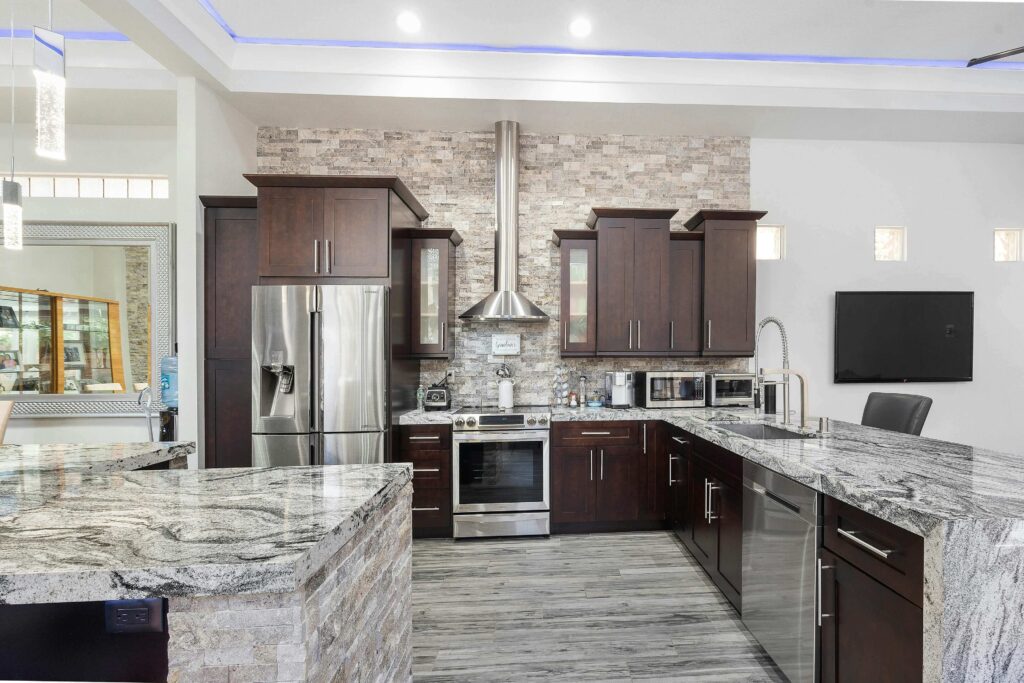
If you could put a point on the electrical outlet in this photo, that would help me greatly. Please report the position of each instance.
(134, 616)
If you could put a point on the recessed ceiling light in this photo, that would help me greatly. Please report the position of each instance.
(408, 22)
(580, 27)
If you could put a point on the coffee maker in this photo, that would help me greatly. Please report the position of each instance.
(618, 389)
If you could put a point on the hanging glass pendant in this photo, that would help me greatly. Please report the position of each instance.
(48, 58)
(12, 215)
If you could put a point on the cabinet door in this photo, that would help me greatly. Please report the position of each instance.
(727, 506)
(868, 632)
(676, 480)
(620, 490)
(686, 279)
(291, 227)
(730, 272)
(356, 232)
(651, 285)
(573, 473)
(579, 296)
(429, 324)
(231, 269)
(228, 413)
(703, 526)
(615, 285)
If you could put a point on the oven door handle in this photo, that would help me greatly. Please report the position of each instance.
(490, 437)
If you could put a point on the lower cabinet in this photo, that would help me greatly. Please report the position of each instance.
(868, 631)
(428, 448)
(228, 413)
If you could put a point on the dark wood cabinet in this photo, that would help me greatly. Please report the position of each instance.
(730, 280)
(572, 485)
(868, 631)
(686, 285)
(355, 232)
(579, 293)
(651, 284)
(231, 268)
(428, 448)
(674, 479)
(615, 285)
(291, 231)
(727, 506)
(433, 271)
(619, 483)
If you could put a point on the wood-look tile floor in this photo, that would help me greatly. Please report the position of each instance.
(598, 607)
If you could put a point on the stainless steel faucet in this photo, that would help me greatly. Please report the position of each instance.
(785, 363)
(803, 391)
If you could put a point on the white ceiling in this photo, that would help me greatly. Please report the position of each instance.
(872, 28)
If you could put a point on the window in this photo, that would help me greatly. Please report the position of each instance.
(1008, 245)
(890, 243)
(771, 242)
(94, 187)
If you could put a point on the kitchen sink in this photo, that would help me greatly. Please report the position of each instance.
(756, 430)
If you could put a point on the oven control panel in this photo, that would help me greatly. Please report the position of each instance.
(501, 421)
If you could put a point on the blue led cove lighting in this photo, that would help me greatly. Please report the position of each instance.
(595, 52)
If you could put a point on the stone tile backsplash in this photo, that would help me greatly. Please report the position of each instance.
(561, 178)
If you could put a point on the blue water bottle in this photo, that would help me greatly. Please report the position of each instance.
(169, 379)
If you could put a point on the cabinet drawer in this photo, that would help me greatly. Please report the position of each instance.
(595, 433)
(889, 554)
(431, 469)
(424, 438)
(431, 507)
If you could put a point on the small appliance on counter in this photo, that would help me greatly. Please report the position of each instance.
(670, 389)
(618, 389)
(730, 389)
(505, 387)
(438, 396)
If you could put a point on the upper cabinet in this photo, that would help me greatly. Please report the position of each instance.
(632, 280)
(730, 280)
(330, 226)
(579, 291)
(686, 278)
(432, 291)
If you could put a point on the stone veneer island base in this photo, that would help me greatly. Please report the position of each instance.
(281, 574)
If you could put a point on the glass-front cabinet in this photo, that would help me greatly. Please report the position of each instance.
(579, 297)
(430, 295)
(53, 343)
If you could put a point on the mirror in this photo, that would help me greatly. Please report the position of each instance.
(85, 316)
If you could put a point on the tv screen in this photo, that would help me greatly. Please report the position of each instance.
(904, 336)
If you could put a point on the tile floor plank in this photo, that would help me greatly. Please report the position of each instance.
(597, 607)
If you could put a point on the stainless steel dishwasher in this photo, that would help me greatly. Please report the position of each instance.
(781, 535)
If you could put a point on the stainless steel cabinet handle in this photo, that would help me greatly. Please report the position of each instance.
(425, 469)
(329, 255)
(821, 607)
(645, 437)
(565, 334)
(638, 334)
(595, 433)
(671, 459)
(316, 256)
(851, 536)
(709, 334)
(707, 500)
(630, 326)
(435, 437)
(711, 506)
(444, 335)
(671, 334)
(591, 464)
(602, 464)
(426, 509)
(681, 442)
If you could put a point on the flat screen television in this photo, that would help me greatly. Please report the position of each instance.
(904, 336)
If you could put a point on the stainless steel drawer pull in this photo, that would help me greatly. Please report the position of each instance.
(330, 255)
(671, 459)
(630, 335)
(316, 256)
(711, 511)
(444, 335)
(565, 334)
(707, 500)
(591, 464)
(851, 536)
(425, 438)
(821, 607)
(638, 334)
(426, 469)
(602, 464)
(645, 437)
(671, 334)
(709, 334)
(595, 433)
(426, 509)
(682, 442)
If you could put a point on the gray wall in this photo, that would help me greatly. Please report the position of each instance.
(562, 177)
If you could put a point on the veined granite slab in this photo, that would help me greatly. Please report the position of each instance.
(84, 536)
(95, 458)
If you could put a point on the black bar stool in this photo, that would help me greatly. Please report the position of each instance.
(896, 412)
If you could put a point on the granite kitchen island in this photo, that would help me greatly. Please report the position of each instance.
(281, 574)
(966, 503)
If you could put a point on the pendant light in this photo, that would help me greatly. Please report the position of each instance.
(11, 189)
(48, 61)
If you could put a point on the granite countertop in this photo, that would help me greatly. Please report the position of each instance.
(914, 482)
(96, 458)
(83, 536)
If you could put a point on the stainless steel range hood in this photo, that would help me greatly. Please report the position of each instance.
(505, 303)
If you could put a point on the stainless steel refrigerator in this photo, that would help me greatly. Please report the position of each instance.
(319, 374)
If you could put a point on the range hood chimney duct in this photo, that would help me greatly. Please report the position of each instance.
(505, 303)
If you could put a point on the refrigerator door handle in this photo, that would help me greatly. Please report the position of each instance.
(316, 371)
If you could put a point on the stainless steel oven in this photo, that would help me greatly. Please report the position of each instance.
(670, 389)
(501, 477)
(733, 389)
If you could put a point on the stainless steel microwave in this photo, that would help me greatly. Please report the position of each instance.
(669, 389)
(733, 389)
